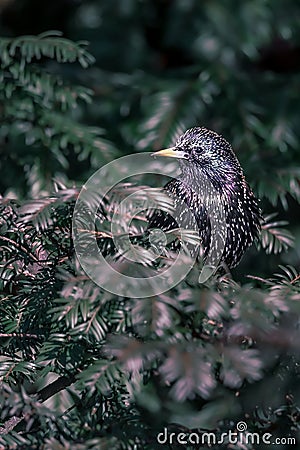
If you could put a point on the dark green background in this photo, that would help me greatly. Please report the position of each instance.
(161, 66)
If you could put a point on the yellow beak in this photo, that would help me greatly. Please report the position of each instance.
(171, 152)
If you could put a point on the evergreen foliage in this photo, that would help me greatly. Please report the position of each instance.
(81, 368)
(39, 110)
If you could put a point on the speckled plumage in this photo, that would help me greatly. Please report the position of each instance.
(213, 188)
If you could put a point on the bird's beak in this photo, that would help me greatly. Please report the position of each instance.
(171, 152)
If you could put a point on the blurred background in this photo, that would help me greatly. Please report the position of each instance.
(162, 66)
(83, 83)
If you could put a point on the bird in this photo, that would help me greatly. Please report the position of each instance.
(213, 189)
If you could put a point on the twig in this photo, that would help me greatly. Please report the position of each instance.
(25, 250)
(296, 279)
(53, 388)
(21, 335)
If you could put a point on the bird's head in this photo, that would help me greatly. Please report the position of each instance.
(200, 149)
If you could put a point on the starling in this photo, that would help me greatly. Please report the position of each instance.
(213, 187)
